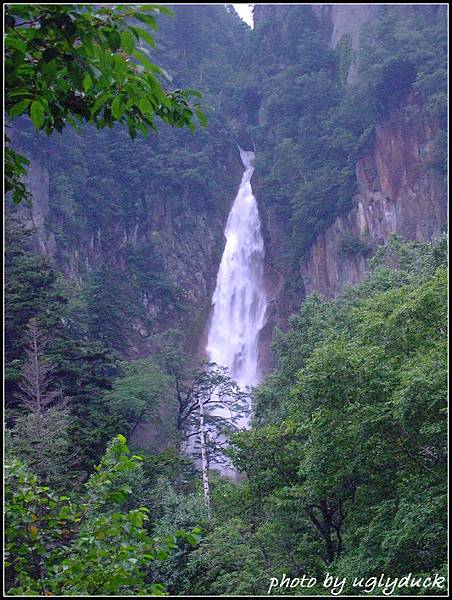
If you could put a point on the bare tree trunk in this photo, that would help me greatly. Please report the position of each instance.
(204, 463)
(35, 375)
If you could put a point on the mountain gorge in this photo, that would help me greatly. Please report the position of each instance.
(106, 206)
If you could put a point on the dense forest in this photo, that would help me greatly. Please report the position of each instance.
(120, 177)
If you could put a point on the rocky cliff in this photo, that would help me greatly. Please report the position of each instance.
(400, 190)
(155, 211)
(179, 250)
(399, 185)
(346, 22)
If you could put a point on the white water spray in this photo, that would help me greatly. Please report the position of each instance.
(239, 301)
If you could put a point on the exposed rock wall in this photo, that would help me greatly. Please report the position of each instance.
(37, 183)
(349, 19)
(189, 244)
(399, 190)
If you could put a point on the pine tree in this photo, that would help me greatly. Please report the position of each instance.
(41, 435)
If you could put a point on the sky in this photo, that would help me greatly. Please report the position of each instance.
(245, 12)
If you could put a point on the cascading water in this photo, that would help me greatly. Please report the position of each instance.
(239, 301)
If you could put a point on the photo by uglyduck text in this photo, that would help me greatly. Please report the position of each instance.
(381, 584)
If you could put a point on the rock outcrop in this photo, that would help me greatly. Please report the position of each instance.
(399, 187)
(186, 245)
(399, 190)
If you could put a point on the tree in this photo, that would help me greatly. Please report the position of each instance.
(86, 370)
(30, 293)
(212, 406)
(41, 436)
(36, 393)
(169, 354)
(61, 545)
(143, 392)
(202, 395)
(73, 64)
(209, 382)
(34, 289)
(355, 458)
(173, 507)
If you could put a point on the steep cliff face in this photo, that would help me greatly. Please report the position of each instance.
(398, 185)
(346, 23)
(141, 223)
(155, 212)
(343, 21)
(399, 190)
(37, 183)
(178, 250)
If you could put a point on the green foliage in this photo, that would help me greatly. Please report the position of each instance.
(402, 55)
(88, 546)
(345, 467)
(310, 129)
(306, 107)
(84, 367)
(15, 170)
(185, 510)
(142, 393)
(107, 307)
(351, 245)
(66, 65)
(29, 293)
(232, 559)
(46, 453)
(121, 210)
(345, 49)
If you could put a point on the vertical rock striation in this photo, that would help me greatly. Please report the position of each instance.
(399, 190)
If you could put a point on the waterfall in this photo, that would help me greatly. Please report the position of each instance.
(239, 301)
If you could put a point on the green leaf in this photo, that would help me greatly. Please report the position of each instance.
(13, 42)
(99, 102)
(114, 39)
(127, 41)
(117, 107)
(136, 518)
(20, 92)
(201, 118)
(64, 512)
(121, 68)
(192, 539)
(142, 127)
(163, 10)
(145, 106)
(147, 19)
(158, 8)
(37, 114)
(145, 61)
(145, 35)
(87, 82)
(18, 108)
(193, 92)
